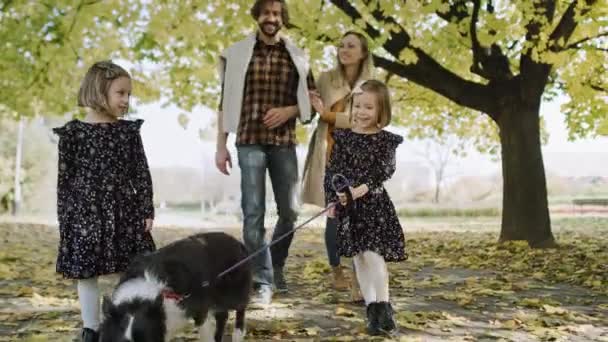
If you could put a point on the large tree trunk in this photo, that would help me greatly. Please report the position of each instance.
(525, 213)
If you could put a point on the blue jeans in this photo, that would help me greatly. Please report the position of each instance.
(282, 165)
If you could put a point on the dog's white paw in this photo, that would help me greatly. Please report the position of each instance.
(206, 332)
(238, 335)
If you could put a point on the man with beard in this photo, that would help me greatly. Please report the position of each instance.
(265, 86)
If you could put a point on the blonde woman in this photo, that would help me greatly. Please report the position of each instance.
(332, 102)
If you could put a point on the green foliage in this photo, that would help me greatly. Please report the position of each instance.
(47, 49)
(603, 127)
(174, 46)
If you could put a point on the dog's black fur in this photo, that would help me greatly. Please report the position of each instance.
(183, 267)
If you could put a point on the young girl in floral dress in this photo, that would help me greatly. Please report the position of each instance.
(104, 189)
(370, 231)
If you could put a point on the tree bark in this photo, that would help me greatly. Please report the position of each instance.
(437, 189)
(525, 213)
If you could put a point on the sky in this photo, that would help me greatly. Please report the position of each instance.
(168, 144)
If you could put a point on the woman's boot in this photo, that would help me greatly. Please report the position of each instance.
(340, 282)
(355, 291)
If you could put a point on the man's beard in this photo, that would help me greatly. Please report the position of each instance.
(273, 32)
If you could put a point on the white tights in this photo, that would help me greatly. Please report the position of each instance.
(372, 275)
(88, 295)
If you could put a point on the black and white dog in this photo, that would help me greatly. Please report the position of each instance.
(161, 291)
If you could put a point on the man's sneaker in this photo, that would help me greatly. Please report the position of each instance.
(262, 295)
(280, 286)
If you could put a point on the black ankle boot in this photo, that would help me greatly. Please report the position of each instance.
(373, 327)
(386, 321)
(90, 335)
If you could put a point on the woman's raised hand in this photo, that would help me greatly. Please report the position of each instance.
(316, 101)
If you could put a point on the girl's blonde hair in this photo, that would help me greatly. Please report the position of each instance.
(94, 88)
(383, 100)
(366, 67)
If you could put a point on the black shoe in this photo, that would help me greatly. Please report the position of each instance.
(90, 335)
(373, 327)
(385, 318)
(280, 285)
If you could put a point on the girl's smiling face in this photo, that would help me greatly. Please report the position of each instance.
(365, 111)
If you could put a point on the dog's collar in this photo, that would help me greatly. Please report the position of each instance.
(170, 294)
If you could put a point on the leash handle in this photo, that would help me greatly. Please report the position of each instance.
(344, 187)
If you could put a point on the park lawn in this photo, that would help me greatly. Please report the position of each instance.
(458, 284)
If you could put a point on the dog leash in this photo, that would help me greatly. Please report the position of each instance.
(343, 186)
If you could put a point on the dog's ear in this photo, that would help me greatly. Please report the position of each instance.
(107, 307)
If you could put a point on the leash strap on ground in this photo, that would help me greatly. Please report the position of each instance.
(337, 188)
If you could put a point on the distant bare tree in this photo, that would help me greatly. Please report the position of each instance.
(438, 155)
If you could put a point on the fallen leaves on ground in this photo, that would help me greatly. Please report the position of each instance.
(455, 286)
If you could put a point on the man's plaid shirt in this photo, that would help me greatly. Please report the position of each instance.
(271, 81)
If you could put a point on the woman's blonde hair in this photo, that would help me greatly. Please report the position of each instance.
(383, 100)
(366, 67)
(94, 88)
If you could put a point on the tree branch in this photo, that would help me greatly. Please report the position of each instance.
(563, 31)
(428, 73)
(595, 86)
(535, 74)
(475, 46)
(489, 63)
(352, 12)
(399, 40)
(67, 38)
(578, 43)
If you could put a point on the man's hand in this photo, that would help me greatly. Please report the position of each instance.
(276, 117)
(222, 160)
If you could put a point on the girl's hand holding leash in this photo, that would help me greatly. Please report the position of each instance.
(148, 224)
(360, 191)
(356, 192)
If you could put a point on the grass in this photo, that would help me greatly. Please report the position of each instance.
(448, 212)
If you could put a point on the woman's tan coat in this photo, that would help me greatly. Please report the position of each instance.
(332, 89)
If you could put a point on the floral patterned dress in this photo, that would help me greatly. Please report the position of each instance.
(373, 224)
(104, 193)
